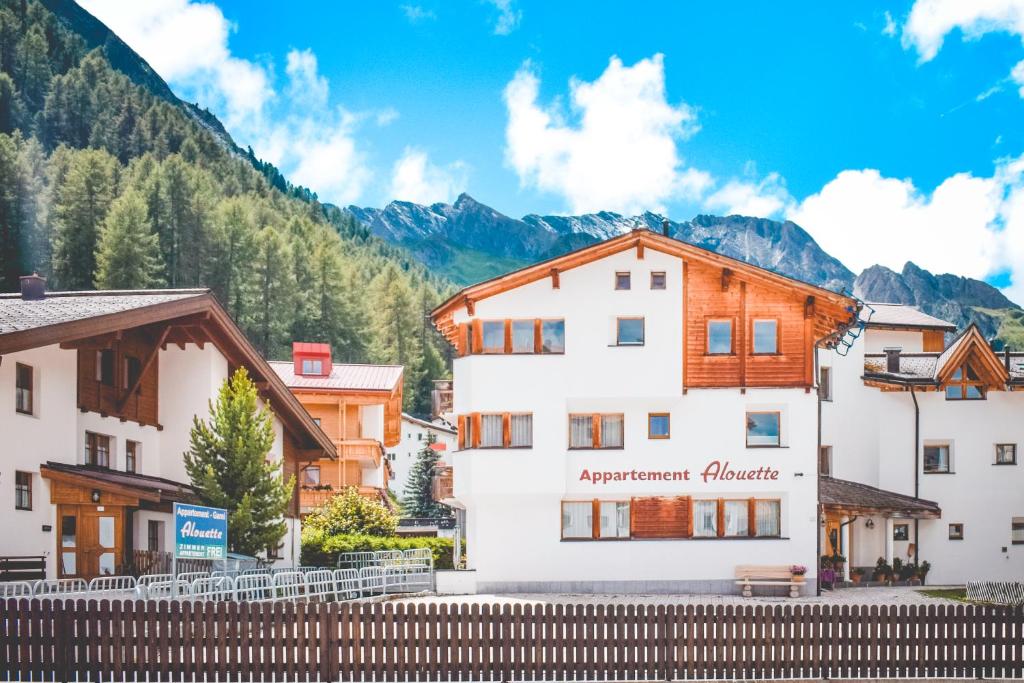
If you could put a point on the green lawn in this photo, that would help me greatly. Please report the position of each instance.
(958, 594)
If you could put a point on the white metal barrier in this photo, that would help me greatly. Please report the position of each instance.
(111, 586)
(319, 585)
(15, 589)
(165, 590)
(253, 587)
(288, 585)
(996, 592)
(189, 577)
(213, 589)
(58, 587)
(346, 584)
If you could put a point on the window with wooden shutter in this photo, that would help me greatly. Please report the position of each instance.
(660, 517)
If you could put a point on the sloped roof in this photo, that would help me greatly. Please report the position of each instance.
(343, 377)
(17, 314)
(936, 368)
(154, 489)
(900, 315)
(426, 423)
(861, 498)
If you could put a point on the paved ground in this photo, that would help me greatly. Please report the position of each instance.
(850, 596)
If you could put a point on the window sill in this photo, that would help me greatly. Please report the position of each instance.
(759, 447)
(23, 509)
(684, 538)
(1003, 464)
(927, 472)
(598, 448)
(624, 346)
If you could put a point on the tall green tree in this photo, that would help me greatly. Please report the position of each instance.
(81, 203)
(275, 293)
(228, 465)
(418, 496)
(128, 253)
(233, 247)
(395, 326)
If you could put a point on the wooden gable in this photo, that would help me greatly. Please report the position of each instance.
(971, 349)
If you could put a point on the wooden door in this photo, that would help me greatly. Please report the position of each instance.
(68, 542)
(833, 536)
(101, 535)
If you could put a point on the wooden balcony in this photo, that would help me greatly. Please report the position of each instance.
(309, 500)
(361, 450)
(444, 484)
(441, 397)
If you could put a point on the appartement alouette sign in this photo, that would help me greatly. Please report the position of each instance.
(200, 532)
(716, 470)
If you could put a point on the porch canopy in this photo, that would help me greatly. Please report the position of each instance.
(114, 487)
(851, 498)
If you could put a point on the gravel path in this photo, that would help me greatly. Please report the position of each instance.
(851, 596)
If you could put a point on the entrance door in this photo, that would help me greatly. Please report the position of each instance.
(100, 535)
(833, 536)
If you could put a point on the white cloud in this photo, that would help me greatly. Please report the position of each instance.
(415, 179)
(931, 20)
(508, 17)
(620, 155)
(767, 198)
(416, 13)
(890, 25)
(186, 42)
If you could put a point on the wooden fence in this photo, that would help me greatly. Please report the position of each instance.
(50, 640)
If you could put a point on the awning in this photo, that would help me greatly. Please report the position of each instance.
(154, 490)
(852, 498)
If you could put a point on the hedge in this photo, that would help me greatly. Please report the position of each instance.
(321, 550)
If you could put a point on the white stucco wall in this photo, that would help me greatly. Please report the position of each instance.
(403, 456)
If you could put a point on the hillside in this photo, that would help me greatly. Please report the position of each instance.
(110, 181)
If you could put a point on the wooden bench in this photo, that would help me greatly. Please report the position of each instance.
(750, 575)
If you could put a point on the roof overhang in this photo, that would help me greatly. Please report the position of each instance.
(88, 479)
(856, 499)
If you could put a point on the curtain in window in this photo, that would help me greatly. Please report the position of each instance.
(491, 431)
(522, 430)
(581, 431)
(494, 336)
(577, 520)
(614, 519)
(611, 431)
(736, 518)
(705, 518)
(767, 517)
(522, 336)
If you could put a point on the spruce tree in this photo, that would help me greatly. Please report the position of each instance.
(418, 500)
(227, 463)
(81, 205)
(128, 252)
(275, 293)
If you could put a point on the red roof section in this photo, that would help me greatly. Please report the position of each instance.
(342, 377)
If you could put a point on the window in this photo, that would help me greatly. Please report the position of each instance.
(578, 520)
(23, 388)
(316, 421)
(736, 514)
(901, 532)
(705, 518)
(1006, 454)
(766, 336)
(965, 385)
(1017, 531)
(622, 281)
(491, 431)
(274, 552)
(132, 450)
(658, 425)
(629, 331)
(719, 337)
(825, 383)
(763, 429)
(311, 475)
(493, 336)
(956, 532)
(522, 336)
(825, 461)
(767, 518)
(612, 519)
(657, 280)
(552, 336)
(936, 459)
(521, 428)
(132, 370)
(97, 450)
(22, 490)
(155, 535)
(312, 366)
(105, 367)
(596, 431)
(466, 424)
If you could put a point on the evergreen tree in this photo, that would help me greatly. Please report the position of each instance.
(418, 500)
(233, 249)
(337, 319)
(128, 253)
(396, 329)
(227, 464)
(275, 293)
(11, 219)
(81, 205)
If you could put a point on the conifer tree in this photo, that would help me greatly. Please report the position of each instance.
(128, 253)
(227, 464)
(418, 500)
(81, 205)
(396, 329)
(275, 292)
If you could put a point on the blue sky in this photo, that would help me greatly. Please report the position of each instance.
(870, 124)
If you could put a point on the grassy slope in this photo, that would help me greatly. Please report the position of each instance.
(1011, 326)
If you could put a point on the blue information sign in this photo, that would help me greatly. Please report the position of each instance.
(200, 532)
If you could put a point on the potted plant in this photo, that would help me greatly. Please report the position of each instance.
(857, 574)
(798, 571)
(923, 569)
(883, 571)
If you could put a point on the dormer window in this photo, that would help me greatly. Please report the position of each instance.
(965, 385)
(312, 366)
(311, 359)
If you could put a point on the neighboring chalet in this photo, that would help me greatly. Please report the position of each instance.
(637, 416)
(359, 407)
(98, 391)
(940, 424)
(415, 434)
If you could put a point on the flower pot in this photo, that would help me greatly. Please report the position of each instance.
(798, 578)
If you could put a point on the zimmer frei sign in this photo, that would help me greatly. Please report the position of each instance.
(200, 533)
(716, 470)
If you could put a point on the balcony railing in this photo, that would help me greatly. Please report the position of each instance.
(310, 499)
(441, 397)
(366, 450)
(444, 483)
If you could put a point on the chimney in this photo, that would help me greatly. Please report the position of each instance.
(664, 227)
(892, 359)
(33, 287)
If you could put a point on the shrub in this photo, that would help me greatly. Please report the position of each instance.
(351, 513)
(322, 550)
